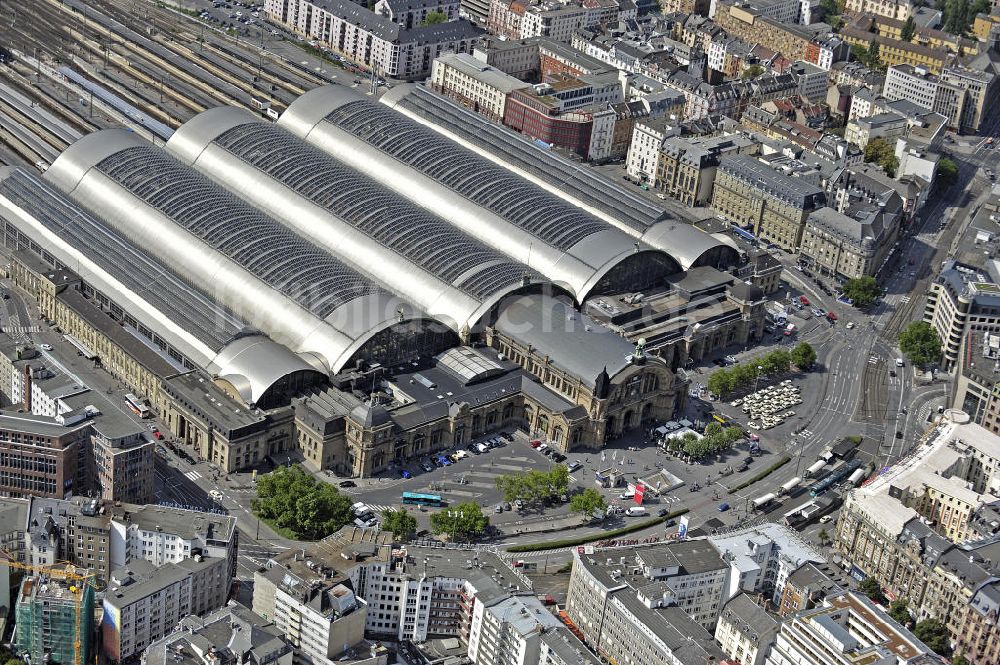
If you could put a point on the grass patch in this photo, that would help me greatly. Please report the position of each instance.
(763, 474)
(566, 568)
(284, 532)
(583, 540)
(854, 438)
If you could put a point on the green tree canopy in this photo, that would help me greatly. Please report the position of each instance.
(934, 634)
(947, 171)
(909, 29)
(803, 355)
(920, 343)
(899, 611)
(587, 502)
(464, 521)
(400, 523)
(752, 72)
(882, 152)
(433, 18)
(862, 290)
(534, 486)
(871, 588)
(291, 499)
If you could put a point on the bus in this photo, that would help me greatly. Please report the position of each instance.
(136, 405)
(416, 499)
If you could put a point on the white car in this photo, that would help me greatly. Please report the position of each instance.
(850, 325)
(46, 347)
(826, 519)
(215, 495)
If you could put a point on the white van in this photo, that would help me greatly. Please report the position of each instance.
(635, 511)
(899, 362)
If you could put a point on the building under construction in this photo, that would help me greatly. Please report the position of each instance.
(54, 620)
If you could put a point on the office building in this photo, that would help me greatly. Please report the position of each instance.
(917, 85)
(686, 167)
(851, 244)
(475, 85)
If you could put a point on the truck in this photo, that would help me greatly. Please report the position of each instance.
(763, 501)
(856, 477)
(815, 468)
(790, 485)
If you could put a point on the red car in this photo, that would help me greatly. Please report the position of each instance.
(536, 443)
(831, 316)
(158, 435)
(804, 300)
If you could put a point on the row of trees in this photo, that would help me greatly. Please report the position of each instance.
(534, 486)
(725, 381)
(292, 500)
(716, 438)
(957, 15)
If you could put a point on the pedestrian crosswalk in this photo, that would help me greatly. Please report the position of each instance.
(904, 299)
(873, 360)
(192, 475)
(806, 433)
(379, 508)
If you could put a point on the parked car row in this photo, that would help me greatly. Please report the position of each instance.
(547, 450)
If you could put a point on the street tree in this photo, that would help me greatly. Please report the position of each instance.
(289, 498)
(823, 536)
(464, 521)
(898, 611)
(871, 588)
(883, 153)
(947, 171)
(934, 634)
(862, 290)
(400, 523)
(803, 355)
(588, 502)
(751, 72)
(920, 343)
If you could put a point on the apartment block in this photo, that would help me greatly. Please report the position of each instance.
(229, 636)
(847, 628)
(789, 39)
(379, 42)
(775, 207)
(144, 603)
(745, 630)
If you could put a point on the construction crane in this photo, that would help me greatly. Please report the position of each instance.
(62, 570)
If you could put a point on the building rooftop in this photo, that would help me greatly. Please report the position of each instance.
(196, 391)
(750, 619)
(760, 176)
(210, 528)
(233, 634)
(489, 76)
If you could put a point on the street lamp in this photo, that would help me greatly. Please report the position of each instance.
(760, 368)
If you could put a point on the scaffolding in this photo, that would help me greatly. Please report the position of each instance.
(54, 615)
